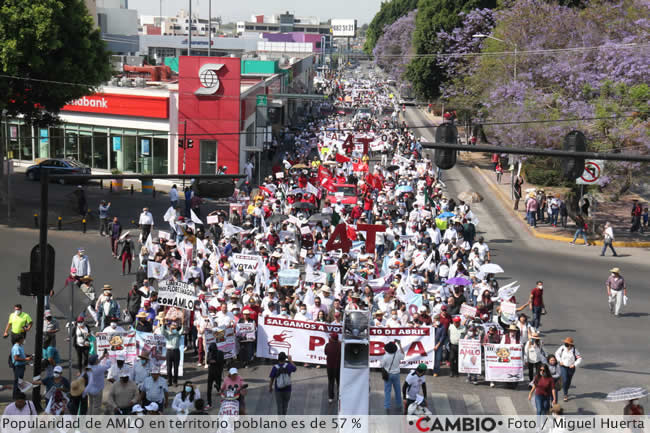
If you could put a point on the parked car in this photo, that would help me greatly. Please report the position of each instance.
(344, 192)
(57, 166)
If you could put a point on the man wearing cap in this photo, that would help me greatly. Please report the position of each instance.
(414, 385)
(50, 326)
(616, 291)
(107, 308)
(123, 395)
(154, 389)
(455, 331)
(569, 358)
(80, 263)
(119, 367)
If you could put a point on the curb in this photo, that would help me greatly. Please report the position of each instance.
(550, 237)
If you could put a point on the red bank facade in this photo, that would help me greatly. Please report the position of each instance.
(138, 129)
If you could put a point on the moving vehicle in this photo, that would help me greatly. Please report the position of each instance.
(345, 192)
(406, 95)
(363, 113)
(57, 166)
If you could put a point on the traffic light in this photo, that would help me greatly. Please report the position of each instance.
(190, 143)
(445, 134)
(572, 168)
(35, 269)
(181, 143)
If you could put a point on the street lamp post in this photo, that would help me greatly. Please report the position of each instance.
(483, 36)
(209, 28)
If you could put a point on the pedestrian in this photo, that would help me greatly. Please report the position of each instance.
(78, 402)
(50, 327)
(19, 361)
(414, 385)
(554, 207)
(96, 370)
(390, 365)
(333, 362)
(19, 324)
(581, 230)
(637, 211)
(456, 331)
(215, 359)
(115, 231)
(564, 213)
(441, 343)
(499, 170)
(633, 408)
(534, 355)
(107, 308)
(519, 181)
(20, 406)
(126, 251)
(154, 389)
(184, 401)
(146, 224)
(544, 390)
(608, 239)
(233, 381)
(281, 381)
(50, 358)
(103, 217)
(81, 263)
(172, 336)
(536, 304)
(569, 358)
(81, 343)
(616, 291)
(644, 223)
(531, 210)
(123, 395)
(188, 201)
(173, 196)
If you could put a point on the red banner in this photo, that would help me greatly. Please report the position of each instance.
(121, 105)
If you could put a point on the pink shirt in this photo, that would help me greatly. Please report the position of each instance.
(237, 381)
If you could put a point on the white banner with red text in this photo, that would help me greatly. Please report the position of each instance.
(305, 341)
(504, 362)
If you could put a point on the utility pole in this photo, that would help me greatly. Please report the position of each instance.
(184, 147)
(40, 297)
(209, 28)
(189, 38)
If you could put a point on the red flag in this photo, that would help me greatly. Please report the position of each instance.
(323, 173)
(266, 190)
(351, 233)
(341, 158)
(359, 166)
(328, 184)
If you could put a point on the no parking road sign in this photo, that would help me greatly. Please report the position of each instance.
(592, 172)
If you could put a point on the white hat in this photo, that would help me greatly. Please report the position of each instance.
(58, 369)
(125, 374)
(271, 290)
(232, 371)
(152, 407)
(423, 309)
(137, 409)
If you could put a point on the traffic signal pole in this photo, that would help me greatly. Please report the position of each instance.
(40, 297)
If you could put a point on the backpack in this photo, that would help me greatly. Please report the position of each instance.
(283, 379)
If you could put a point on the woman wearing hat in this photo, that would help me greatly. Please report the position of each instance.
(534, 355)
(569, 358)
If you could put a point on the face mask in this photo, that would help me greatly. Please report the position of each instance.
(113, 325)
(57, 374)
(188, 389)
(17, 312)
(143, 361)
(174, 331)
(303, 311)
(394, 316)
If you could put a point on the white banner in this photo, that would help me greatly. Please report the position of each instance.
(117, 343)
(305, 341)
(154, 345)
(316, 277)
(212, 219)
(467, 310)
(176, 294)
(469, 356)
(504, 363)
(509, 308)
(250, 262)
(225, 340)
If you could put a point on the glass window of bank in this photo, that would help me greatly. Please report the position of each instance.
(127, 150)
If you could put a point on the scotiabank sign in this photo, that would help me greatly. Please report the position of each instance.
(121, 105)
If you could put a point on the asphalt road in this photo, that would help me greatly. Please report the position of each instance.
(615, 350)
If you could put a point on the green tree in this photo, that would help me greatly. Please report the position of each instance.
(388, 13)
(51, 41)
(435, 16)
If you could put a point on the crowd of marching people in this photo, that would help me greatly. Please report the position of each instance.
(428, 268)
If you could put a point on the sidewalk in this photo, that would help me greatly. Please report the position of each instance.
(616, 213)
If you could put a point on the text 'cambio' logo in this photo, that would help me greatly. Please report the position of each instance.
(209, 79)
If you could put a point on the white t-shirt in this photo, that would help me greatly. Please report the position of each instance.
(414, 383)
(482, 249)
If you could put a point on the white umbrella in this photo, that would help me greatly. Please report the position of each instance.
(626, 394)
(491, 268)
(124, 234)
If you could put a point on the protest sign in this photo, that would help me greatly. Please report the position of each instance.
(469, 356)
(330, 269)
(246, 331)
(117, 343)
(250, 262)
(316, 277)
(176, 294)
(154, 345)
(509, 308)
(467, 310)
(212, 219)
(305, 341)
(225, 340)
(289, 277)
(504, 363)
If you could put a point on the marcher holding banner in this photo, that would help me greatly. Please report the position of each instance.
(504, 362)
(469, 356)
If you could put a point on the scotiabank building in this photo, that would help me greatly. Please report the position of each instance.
(214, 102)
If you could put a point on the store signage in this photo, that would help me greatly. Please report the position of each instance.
(344, 28)
(209, 80)
(121, 105)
